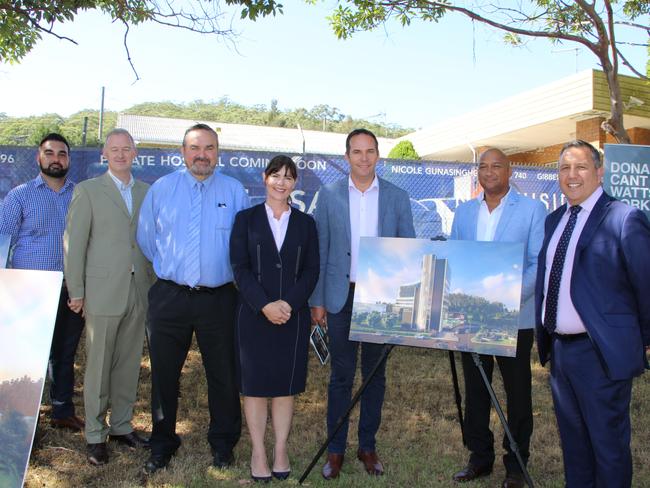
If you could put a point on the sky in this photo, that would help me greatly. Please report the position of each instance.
(485, 269)
(413, 76)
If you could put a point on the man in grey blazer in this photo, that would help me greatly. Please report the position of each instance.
(500, 213)
(361, 205)
(108, 278)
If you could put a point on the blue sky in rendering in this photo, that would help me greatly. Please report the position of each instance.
(488, 269)
(28, 305)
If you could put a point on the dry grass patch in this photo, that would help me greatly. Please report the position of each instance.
(419, 441)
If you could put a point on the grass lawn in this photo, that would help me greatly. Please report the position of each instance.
(419, 440)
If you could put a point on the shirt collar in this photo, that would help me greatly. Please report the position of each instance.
(39, 181)
(481, 196)
(192, 180)
(269, 212)
(588, 205)
(373, 185)
(121, 186)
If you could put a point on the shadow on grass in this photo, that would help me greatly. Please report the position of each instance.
(419, 441)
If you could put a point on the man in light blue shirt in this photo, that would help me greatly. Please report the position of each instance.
(184, 230)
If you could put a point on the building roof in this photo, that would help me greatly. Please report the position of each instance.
(533, 119)
(161, 131)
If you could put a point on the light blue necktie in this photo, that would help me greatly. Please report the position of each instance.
(193, 250)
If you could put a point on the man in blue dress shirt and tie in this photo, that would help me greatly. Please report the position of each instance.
(34, 217)
(184, 230)
(593, 319)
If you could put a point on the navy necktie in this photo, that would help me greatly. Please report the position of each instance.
(555, 277)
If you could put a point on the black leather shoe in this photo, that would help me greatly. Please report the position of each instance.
(222, 461)
(261, 479)
(97, 454)
(471, 472)
(280, 475)
(132, 440)
(155, 463)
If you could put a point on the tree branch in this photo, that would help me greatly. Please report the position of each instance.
(128, 54)
(630, 67)
(515, 30)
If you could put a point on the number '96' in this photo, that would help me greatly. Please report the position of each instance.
(6, 158)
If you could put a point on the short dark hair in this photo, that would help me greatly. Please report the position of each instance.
(53, 136)
(279, 162)
(579, 143)
(357, 132)
(204, 127)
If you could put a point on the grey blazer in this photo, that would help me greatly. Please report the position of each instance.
(333, 223)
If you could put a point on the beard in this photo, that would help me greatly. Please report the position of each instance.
(54, 170)
(201, 170)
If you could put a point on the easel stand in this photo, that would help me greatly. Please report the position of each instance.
(357, 396)
(457, 397)
(513, 444)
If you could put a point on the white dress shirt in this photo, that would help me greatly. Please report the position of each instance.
(278, 226)
(364, 219)
(125, 190)
(568, 320)
(487, 222)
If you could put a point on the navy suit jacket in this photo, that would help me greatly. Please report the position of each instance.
(610, 285)
(522, 221)
(262, 273)
(333, 222)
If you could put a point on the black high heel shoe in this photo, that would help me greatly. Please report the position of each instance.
(281, 475)
(261, 479)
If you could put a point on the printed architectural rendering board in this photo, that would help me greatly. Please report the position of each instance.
(28, 306)
(4, 249)
(458, 295)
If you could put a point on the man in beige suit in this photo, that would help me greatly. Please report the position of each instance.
(108, 279)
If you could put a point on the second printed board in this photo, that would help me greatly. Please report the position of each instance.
(457, 295)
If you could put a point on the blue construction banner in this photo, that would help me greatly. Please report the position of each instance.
(435, 188)
(627, 174)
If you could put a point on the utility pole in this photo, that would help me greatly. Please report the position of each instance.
(101, 118)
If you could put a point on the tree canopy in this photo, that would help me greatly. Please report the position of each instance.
(24, 22)
(404, 150)
(607, 28)
(30, 130)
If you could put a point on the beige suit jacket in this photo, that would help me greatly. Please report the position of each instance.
(100, 247)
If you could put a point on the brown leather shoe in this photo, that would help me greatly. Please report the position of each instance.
(73, 423)
(97, 454)
(332, 467)
(471, 472)
(371, 462)
(514, 480)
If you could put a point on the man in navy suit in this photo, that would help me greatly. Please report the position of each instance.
(360, 205)
(500, 213)
(593, 319)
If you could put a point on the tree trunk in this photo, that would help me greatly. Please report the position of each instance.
(614, 124)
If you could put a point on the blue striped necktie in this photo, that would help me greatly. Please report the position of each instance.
(555, 277)
(193, 249)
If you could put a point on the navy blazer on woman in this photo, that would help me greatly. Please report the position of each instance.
(262, 274)
(273, 358)
(609, 285)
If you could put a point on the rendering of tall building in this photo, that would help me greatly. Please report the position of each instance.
(432, 297)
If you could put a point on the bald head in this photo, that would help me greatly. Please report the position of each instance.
(494, 173)
(495, 152)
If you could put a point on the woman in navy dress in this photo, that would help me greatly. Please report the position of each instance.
(275, 262)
